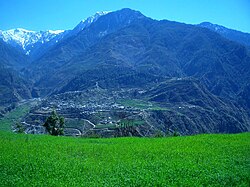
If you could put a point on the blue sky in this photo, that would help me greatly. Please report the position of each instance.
(65, 14)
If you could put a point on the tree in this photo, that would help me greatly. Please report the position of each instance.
(19, 127)
(55, 124)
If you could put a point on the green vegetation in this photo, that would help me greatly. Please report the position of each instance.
(130, 122)
(14, 116)
(135, 103)
(19, 128)
(55, 124)
(202, 160)
(103, 126)
(158, 134)
(76, 123)
(140, 104)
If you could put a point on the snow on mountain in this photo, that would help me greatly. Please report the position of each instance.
(234, 35)
(26, 39)
(30, 41)
(87, 22)
(215, 27)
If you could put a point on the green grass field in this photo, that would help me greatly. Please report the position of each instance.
(140, 104)
(202, 160)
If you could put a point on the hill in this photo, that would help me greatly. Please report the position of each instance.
(195, 109)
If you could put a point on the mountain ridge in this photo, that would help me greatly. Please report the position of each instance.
(26, 39)
(31, 41)
(231, 34)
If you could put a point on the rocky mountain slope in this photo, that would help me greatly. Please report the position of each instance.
(13, 85)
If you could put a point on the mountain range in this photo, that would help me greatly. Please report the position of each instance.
(206, 66)
(28, 41)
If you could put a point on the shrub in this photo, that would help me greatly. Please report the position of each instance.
(176, 133)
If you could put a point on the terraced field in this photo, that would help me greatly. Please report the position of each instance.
(202, 160)
(13, 117)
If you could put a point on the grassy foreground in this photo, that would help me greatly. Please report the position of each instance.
(209, 160)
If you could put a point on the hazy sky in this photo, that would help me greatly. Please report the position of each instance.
(65, 14)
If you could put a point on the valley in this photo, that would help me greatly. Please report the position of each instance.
(102, 112)
(121, 73)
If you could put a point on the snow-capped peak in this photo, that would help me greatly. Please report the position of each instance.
(29, 40)
(214, 27)
(93, 18)
(87, 22)
(21, 30)
(26, 39)
(56, 31)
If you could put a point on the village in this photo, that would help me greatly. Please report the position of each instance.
(84, 112)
